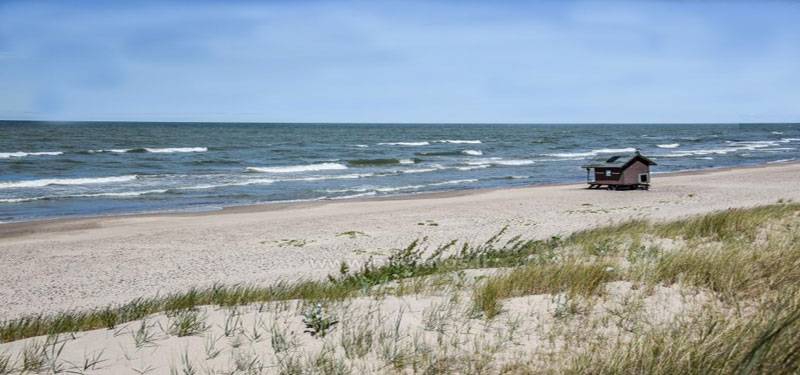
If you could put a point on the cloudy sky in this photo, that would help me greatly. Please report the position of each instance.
(401, 61)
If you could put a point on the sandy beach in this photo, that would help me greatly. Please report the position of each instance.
(78, 263)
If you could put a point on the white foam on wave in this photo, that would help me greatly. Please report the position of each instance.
(421, 170)
(65, 181)
(709, 151)
(670, 145)
(320, 178)
(479, 166)
(472, 152)
(732, 146)
(404, 143)
(781, 161)
(168, 150)
(500, 161)
(414, 187)
(362, 146)
(257, 181)
(458, 141)
(367, 194)
(114, 150)
(590, 153)
(176, 149)
(349, 190)
(372, 189)
(19, 200)
(777, 132)
(299, 168)
(454, 182)
(121, 194)
(92, 195)
(515, 162)
(406, 161)
(21, 154)
(399, 188)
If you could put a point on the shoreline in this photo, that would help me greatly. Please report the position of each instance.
(17, 228)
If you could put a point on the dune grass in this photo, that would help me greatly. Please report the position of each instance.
(713, 342)
(730, 225)
(745, 261)
(571, 278)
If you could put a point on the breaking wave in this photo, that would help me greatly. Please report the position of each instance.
(500, 161)
(170, 150)
(391, 189)
(299, 168)
(590, 153)
(65, 181)
(20, 154)
(457, 141)
(404, 143)
(93, 195)
(381, 161)
(732, 146)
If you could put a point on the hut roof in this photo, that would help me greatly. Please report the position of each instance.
(616, 161)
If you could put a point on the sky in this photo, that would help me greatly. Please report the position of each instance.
(401, 61)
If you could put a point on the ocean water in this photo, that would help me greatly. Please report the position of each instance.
(52, 170)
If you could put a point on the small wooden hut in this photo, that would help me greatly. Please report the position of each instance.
(630, 171)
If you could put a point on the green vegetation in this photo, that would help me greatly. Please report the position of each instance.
(352, 234)
(572, 278)
(187, 323)
(730, 281)
(318, 321)
(294, 243)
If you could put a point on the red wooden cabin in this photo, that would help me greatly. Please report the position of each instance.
(619, 172)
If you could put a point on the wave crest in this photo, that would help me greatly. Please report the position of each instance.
(168, 150)
(381, 161)
(590, 153)
(458, 141)
(298, 168)
(21, 154)
(65, 181)
(424, 143)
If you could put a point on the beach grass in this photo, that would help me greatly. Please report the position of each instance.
(732, 275)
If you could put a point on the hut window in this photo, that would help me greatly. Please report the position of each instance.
(608, 173)
(644, 178)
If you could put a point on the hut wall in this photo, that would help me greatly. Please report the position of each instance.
(600, 175)
(631, 174)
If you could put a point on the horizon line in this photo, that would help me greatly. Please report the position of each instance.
(401, 123)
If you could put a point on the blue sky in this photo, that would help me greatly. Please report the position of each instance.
(402, 61)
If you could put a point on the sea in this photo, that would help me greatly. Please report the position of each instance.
(68, 169)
